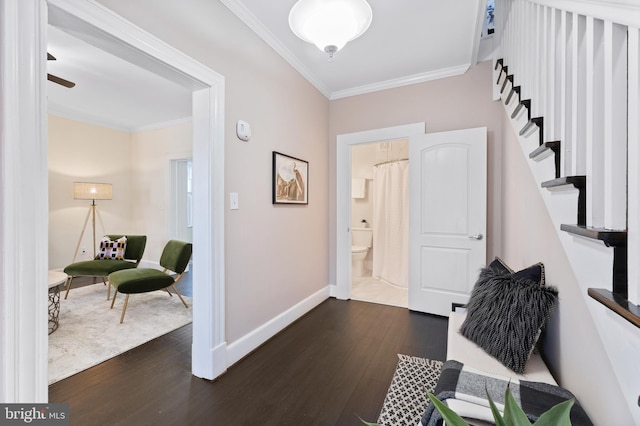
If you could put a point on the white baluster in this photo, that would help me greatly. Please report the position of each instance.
(634, 172)
(615, 125)
(594, 134)
(564, 90)
(550, 93)
(578, 117)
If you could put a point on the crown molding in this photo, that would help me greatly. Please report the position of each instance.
(71, 114)
(245, 15)
(399, 82)
(163, 124)
(238, 9)
(64, 112)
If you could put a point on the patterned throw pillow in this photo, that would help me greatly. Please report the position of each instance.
(506, 313)
(112, 250)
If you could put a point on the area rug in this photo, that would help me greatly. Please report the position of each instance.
(90, 332)
(406, 398)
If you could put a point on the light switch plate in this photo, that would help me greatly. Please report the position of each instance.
(233, 201)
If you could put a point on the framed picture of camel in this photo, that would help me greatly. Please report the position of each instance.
(290, 180)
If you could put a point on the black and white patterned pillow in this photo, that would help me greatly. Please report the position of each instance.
(506, 313)
(112, 250)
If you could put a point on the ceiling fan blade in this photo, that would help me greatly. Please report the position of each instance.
(50, 57)
(60, 81)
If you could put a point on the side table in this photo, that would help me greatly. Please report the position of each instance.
(55, 280)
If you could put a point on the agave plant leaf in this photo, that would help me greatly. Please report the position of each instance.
(494, 410)
(513, 414)
(558, 415)
(449, 416)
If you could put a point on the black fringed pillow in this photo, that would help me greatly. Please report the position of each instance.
(506, 312)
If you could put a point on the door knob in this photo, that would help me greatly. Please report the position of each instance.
(475, 237)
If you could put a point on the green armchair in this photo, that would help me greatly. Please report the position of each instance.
(102, 268)
(175, 257)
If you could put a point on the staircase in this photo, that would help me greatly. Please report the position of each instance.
(569, 81)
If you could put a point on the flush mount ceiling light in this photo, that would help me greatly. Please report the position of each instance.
(330, 24)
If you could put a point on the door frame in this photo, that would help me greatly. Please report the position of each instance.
(343, 194)
(23, 335)
(174, 165)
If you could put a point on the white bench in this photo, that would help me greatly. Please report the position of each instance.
(461, 349)
(464, 350)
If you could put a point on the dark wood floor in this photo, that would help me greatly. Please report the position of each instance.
(334, 363)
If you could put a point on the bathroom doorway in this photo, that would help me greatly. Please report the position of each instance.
(379, 222)
(344, 143)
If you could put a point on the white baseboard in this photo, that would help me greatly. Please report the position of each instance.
(211, 366)
(333, 290)
(249, 342)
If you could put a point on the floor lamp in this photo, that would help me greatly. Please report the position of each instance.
(91, 191)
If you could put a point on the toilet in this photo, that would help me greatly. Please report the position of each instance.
(361, 239)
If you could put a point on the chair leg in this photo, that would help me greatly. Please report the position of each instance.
(114, 298)
(124, 308)
(108, 288)
(173, 286)
(69, 279)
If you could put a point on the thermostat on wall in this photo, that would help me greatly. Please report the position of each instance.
(243, 130)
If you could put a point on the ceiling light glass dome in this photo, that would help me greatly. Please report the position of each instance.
(330, 24)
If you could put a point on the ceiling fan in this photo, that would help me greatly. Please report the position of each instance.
(56, 79)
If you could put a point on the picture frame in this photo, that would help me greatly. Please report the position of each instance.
(290, 180)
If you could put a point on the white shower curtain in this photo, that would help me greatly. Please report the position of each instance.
(391, 222)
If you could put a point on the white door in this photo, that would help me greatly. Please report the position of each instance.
(447, 217)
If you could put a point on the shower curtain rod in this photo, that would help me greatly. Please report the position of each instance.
(391, 161)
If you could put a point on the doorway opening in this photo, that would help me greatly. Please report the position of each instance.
(119, 37)
(122, 39)
(344, 154)
(380, 222)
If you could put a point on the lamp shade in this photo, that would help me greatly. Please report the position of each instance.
(330, 24)
(92, 191)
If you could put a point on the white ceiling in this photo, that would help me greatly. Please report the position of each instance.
(109, 91)
(409, 41)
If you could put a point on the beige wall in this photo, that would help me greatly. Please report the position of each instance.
(151, 155)
(138, 166)
(80, 152)
(447, 104)
(571, 345)
(275, 256)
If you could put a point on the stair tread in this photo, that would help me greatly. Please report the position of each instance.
(618, 304)
(514, 90)
(534, 122)
(525, 103)
(608, 236)
(577, 181)
(542, 149)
